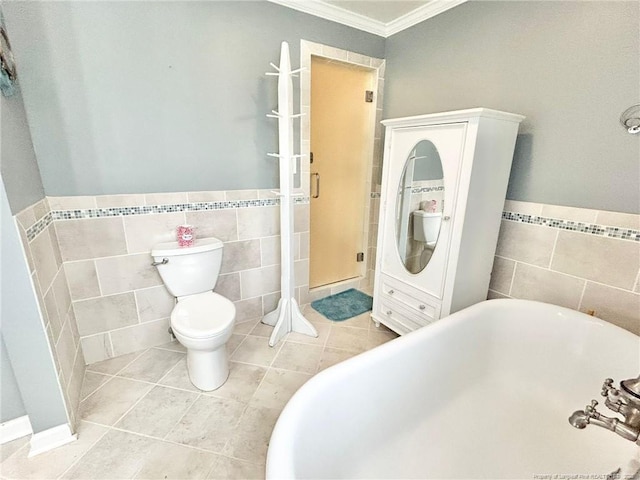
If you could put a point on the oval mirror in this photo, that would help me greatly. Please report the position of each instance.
(419, 206)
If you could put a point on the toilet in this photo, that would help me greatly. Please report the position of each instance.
(426, 227)
(201, 320)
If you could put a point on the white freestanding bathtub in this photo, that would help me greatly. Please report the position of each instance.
(484, 393)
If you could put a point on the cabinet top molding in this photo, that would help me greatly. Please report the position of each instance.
(456, 115)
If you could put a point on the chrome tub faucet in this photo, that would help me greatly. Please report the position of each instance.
(624, 400)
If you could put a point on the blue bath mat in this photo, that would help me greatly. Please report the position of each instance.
(343, 305)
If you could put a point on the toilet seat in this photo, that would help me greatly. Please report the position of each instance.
(204, 315)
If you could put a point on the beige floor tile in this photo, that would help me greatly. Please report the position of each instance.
(323, 333)
(314, 316)
(261, 330)
(255, 350)
(91, 383)
(347, 338)
(53, 463)
(178, 377)
(114, 365)
(242, 383)
(232, 469)
(208, 423)
(233, 343)
(298, 357)
(332, 356)
(158, 411)
(244, 328)
(250, 439)
(170, 461)
(152, 365)
(117, 455)
(9, 448)
(112, 400)
(277, 388)
(175, 346)
(376, 338)
(360, 321)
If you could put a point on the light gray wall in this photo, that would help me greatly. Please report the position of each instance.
(158, 96)
(11, 406)
(23, 332)
(18, 164)
(571, 67)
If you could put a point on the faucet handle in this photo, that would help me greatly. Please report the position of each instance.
(607, 386)
(590, 410)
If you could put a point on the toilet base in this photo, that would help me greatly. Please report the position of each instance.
(208, 370)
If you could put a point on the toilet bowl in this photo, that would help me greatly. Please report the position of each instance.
(202, 321)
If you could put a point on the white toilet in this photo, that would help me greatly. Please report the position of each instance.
(202, 321)
(426, 227)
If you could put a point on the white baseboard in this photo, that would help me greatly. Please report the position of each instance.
(16, 428)
(49, 439)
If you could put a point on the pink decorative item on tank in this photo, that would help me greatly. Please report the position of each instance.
(186, 235)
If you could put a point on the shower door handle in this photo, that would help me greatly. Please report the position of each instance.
(317, 175)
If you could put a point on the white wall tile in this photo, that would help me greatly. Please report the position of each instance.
(140, 336)
(83, 279)
(616, 219)
(583, 215)
(617, 306)
(126, 273)
(154, 303)
(221, 224)
(102, 314)
(90, 238)
(145, 231)
(531, 244)
(534, 283)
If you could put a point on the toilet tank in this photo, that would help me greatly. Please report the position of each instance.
(426, 226)
(189, 270)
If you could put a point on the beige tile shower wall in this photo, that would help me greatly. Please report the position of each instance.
(120, 302)
(52, 291)
(575, 270)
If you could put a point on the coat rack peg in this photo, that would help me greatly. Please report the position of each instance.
(276, 155)
(272, 74)
(274, 66)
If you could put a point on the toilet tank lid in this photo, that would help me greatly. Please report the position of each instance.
(200, 245)
(422, 213)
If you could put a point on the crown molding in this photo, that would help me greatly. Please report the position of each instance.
(337, 14)
(420, 14)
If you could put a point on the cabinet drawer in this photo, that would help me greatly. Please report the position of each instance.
(399, 313)
(419, 303)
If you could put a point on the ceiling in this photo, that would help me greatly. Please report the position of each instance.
(380, 17)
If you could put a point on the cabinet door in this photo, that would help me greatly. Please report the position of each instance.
(419, 204)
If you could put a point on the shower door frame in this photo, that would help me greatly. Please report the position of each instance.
(374, 167)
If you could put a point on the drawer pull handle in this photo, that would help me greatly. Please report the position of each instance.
(391, 292)
(389, 312)
(422, 307)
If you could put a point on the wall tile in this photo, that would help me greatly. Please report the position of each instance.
(301, 217)
(112, 201)
(616, 219)
(605, 260)
(301, 272)
(66, 351)
(27, 249)
(72, 203)
(233, 195)
(531, 244)
(221, 224)
(145, 231)
(105, 313)
(248, 309)
(55, 244)
(613, 305)
(270, 251)
(90, 238)
(260, 281)
(501, 275)
(229, 286)
(154, 303)
(51, 308)
(583, 215)
(526, 208)
(140, 336)
(304, 245)
(73, 323)
(44, 259)
(26, 218)
(165, 198)
(240, 255)
(493, 295)
(258, 222)
(61, 290)
(83, 279)
(334, 53)
(533, 283)
(270, 302)
(194, 197)
(126, 273)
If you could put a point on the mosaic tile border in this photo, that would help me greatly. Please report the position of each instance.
(416, 190)
(33, 231)
(78, 214)
(589, 228)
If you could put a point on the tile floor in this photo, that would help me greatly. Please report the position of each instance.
(143, 419)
